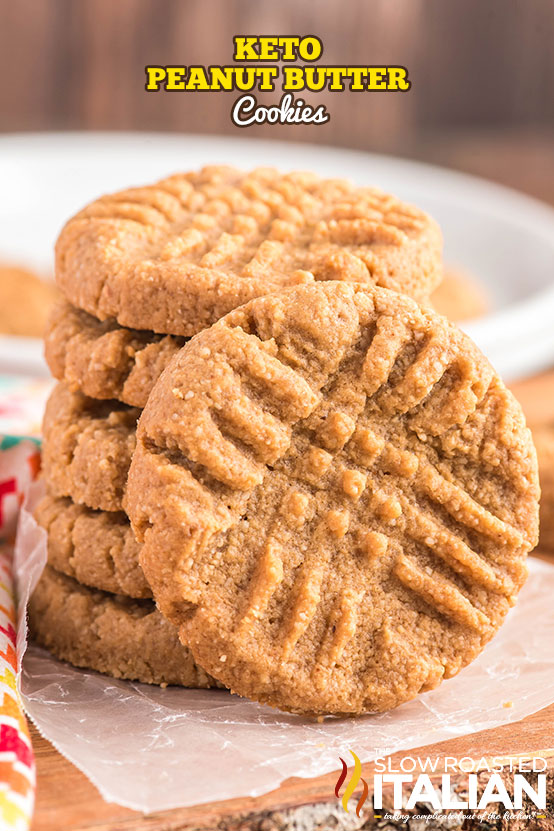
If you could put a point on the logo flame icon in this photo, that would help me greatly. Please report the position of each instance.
(352, 785)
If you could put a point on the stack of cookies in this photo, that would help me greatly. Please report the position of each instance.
(330, 496)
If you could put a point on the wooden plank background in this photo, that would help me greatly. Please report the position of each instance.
(473, 65)
(482, 73)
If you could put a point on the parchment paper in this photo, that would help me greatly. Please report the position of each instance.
(152, 749)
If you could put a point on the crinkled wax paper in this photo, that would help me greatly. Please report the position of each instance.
(152, 749)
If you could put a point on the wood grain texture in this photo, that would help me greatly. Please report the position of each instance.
(68, 65)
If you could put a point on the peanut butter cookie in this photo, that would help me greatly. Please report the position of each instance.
(104, 360)
(460, 297)
(336, 496)
(121, 637)
(25, 301)
(97, 548)
(175, 256)
(87, 448)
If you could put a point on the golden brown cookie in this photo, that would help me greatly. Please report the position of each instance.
(460, 296)
(25, 301)
(121, 637)
(87, 448)
(336, 496)
(104, 360)
(97, 548)
(175, 256)
(544, 442)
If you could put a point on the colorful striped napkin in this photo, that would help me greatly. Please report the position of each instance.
(21, 405)
(17, 763)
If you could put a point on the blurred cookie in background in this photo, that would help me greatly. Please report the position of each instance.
(544, 442)
(460, 296)
(25, 301)
(536, 396)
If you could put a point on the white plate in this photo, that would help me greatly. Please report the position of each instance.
(503, 237)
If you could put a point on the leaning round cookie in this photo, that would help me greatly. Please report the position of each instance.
(87, 448)
(336, 496)
(97, 548)
(121, 637)
(175, 256)
(104, 360)
(544, 442)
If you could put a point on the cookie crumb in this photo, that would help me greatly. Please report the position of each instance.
(353, 483)
(369, 443)
(337, 429)
(338, 522)
(388, 508)
(318, 461)
(295, 508)
(374, 545)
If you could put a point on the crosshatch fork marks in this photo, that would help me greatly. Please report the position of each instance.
(347, 533)
(177, 255)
